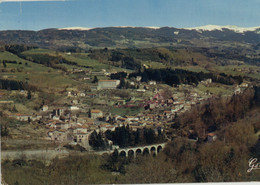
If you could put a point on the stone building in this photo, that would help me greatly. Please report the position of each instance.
(108, 84)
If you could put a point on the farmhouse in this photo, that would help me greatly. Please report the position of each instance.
(211, 137)
(94, 114)
(108, 84)
(45, 108)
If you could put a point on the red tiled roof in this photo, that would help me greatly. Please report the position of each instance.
(211, 134)
(96, 111)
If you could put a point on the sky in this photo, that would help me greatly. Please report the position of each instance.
(37, 15)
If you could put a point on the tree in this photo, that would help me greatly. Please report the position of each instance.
(29, 95)
(97, 141)
(137, 137)
(150, 170)
(149, 135)
(122, 83)
(4, 131)
(4, 64)
(95, 80)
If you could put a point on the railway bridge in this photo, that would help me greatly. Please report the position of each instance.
(140, 150)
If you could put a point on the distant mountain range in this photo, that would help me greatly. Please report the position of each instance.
(222, 28)
(200, 28)
(122, 37)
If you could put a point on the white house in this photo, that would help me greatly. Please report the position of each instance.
(45, 108)
(73, 108)
(108, 84)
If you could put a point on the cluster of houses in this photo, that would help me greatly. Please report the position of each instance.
(66, 124)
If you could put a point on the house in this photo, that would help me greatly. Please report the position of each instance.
(167, 114)
(207, 82)
(75, 101)
(65, 125)
(73, 108)
(58, 135)
(82, 94)
(138, 78)
(131, 118)
(22, 117)
(121, 119)
(211, 137)
(58, 112)
(108, 84)
(83, 129)
(2, 94)
(81, 138)
(243, 85)
(95, 113)
(152, 82)
(237, 90)
(36, 117)
(104, 127)
(140, 90)
(121, 102)
(152, 105)
(56, 117)
(176, 108)
(45, 108)
(169, 102)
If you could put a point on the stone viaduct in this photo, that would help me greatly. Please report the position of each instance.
(140, 150)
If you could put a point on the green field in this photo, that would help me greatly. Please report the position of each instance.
(233, 70)
(36, 74)
(223, 89)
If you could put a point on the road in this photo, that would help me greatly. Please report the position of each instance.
(33, 154)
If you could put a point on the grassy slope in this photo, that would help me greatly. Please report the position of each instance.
(80, 58)
(37, 74)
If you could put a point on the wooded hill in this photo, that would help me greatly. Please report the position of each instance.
(123, 37)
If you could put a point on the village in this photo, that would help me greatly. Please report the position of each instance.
(83, 112)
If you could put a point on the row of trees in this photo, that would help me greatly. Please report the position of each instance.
(97, 141)
(116, 58)
(125, 137)
(15, 85)
(180, 76)
(16, 48)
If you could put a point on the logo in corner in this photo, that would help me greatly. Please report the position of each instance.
(253, 164)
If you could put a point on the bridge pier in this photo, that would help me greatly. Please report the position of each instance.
(152, 150)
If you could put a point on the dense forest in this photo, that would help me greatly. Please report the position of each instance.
(218, 113)
(15, 85)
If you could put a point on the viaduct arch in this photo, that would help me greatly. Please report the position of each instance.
(141, 150)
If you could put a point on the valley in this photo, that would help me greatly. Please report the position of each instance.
(69, 94)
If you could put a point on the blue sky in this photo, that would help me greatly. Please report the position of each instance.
(102, 13)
